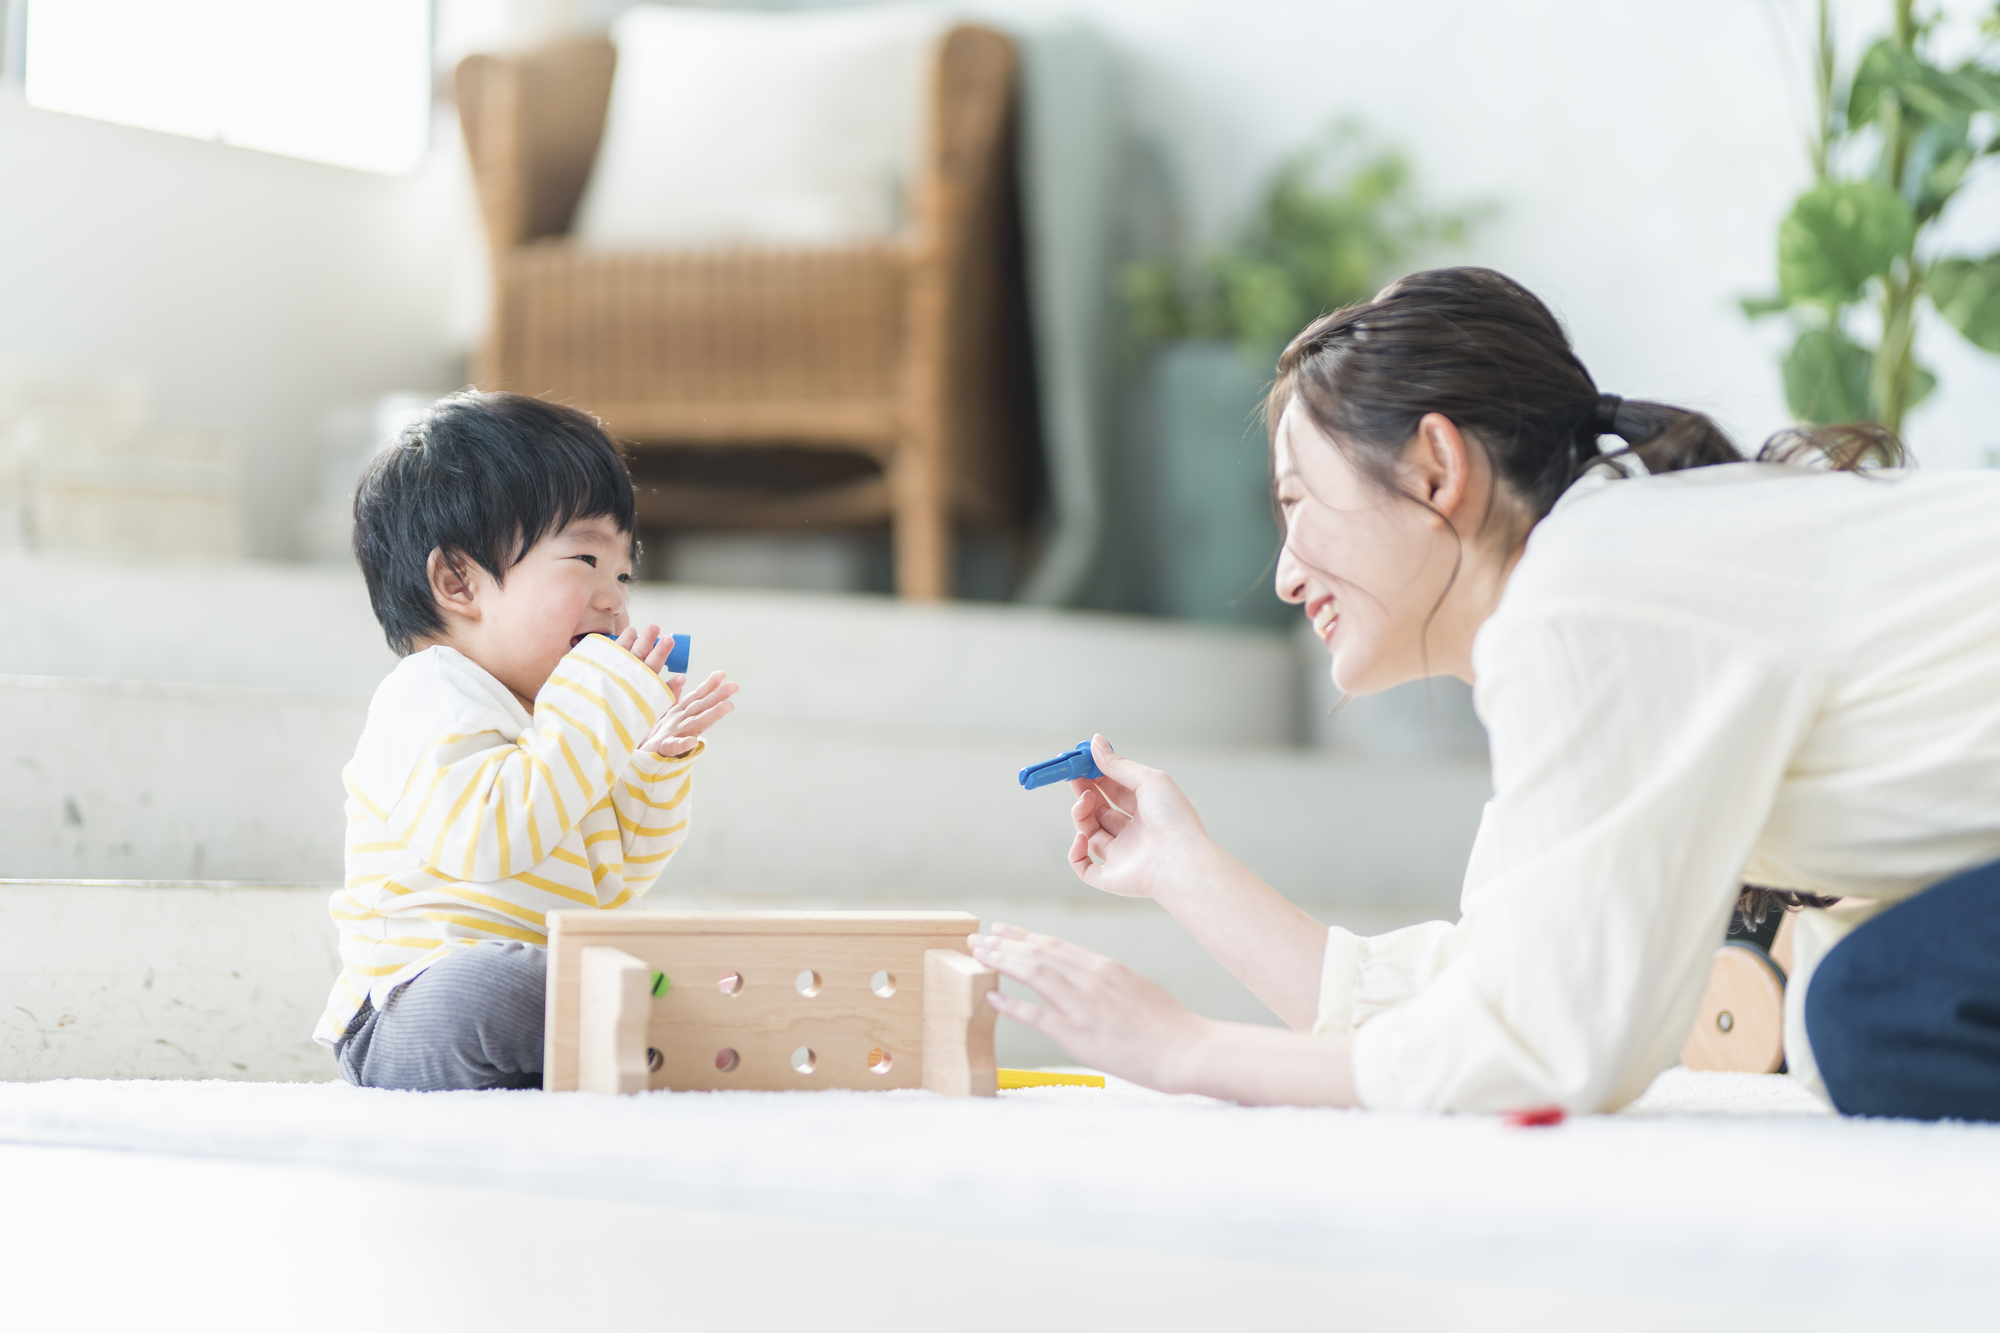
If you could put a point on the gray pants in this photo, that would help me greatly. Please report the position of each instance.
(472, 1020)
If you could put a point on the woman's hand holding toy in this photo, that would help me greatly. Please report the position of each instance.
(1134, 828)
(1138, 836)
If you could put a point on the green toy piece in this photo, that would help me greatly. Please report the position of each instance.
(661, 984)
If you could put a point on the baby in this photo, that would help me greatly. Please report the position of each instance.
(525, 755)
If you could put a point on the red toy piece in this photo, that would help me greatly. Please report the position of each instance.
(1538, 1118)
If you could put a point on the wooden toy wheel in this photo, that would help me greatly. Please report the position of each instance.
(1740, 1026)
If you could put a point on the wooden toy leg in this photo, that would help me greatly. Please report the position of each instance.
(614, 998)
(958, 1025)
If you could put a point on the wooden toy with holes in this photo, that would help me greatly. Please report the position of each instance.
(767, 1000)
(1740, 1027)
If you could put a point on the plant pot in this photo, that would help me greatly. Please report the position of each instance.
(1215, 537)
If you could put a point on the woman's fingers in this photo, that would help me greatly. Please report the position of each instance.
(1113, 820)
(1021, 1011)
(1121, 772)
(1079, 857)
(1055, 968)
(1044, 975)
(1093, 807)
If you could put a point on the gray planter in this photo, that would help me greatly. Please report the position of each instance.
(1214, 535)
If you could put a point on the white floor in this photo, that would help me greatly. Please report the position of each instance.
(1720, 1201)
(123, 1241)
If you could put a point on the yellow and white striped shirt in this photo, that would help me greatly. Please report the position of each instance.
(469, 821)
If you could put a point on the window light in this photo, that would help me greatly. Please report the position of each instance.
(340, 81)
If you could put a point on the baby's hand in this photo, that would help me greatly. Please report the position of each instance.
(694, 711)
(648, 645)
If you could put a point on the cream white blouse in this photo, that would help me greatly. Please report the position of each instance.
(1739, 674)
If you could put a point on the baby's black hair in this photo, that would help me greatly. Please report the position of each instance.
(483, 476)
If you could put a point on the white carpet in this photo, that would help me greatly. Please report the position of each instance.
(1731, 1190)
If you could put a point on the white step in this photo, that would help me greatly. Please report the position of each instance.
(821, 659)
(218, 980)
(131, 780)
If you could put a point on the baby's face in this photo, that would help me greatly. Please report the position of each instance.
(570, 584)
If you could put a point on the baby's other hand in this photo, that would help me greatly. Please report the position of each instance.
(694, 712)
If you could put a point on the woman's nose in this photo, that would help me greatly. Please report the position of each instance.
(1291, 577)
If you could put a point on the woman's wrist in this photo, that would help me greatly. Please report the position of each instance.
(1201, 870)
(1263, 1066)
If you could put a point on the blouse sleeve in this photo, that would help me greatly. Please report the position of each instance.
(1636, 757)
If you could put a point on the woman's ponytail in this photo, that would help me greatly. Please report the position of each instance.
(1479, 348)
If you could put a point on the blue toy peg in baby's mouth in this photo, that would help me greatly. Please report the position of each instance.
(1076, 763)
(677, 656)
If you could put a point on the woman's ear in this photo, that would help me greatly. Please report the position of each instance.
(1440, 465)
(451, 585)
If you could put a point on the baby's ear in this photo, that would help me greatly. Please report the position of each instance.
(451, 582)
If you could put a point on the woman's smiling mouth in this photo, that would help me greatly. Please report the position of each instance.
(1325, 617)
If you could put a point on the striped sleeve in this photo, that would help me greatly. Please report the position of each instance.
(480, 807)
(653, 804)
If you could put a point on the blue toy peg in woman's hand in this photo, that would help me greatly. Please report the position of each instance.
(1076, 763)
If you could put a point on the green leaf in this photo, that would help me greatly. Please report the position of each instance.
(1826, 378)
(1920, 88)
(1755, 307)
(1879, 69)
(1840, 235)
(1939, 160)
(1967, 293)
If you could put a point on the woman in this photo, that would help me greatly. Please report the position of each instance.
(1725, 673)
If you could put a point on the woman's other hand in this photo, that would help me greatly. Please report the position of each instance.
(1134, 828)
(1109, 1017)
(1102, 1012)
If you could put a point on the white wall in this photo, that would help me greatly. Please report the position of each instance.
(252, 292)
(1643, 153)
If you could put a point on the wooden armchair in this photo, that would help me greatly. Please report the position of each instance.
(908, 355)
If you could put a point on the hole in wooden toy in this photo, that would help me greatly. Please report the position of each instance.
(879, 1061)
(725, 1059)
(731, 983)
(654, 1060)
(803, 1060)
(807, 982)
(1725, 1020)
(883, 984)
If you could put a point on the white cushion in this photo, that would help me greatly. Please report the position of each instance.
(785, 128)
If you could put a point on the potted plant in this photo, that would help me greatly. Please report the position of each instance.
(1334, 223)
(1894, 142)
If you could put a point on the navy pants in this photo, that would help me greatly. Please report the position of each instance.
(1904, 1014)
(473, 1019)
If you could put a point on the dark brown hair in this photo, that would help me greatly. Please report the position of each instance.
(483, 477)
(1482, 350)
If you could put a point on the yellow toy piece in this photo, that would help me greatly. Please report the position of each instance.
(1037, 1078)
